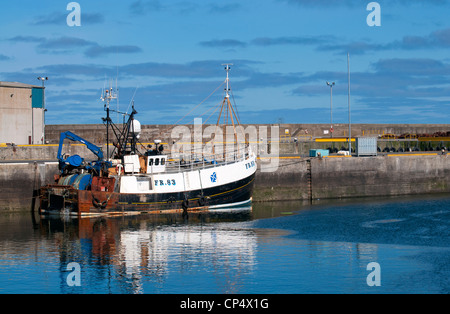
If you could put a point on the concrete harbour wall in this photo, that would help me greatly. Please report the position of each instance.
(96, 133)
(345, 177)
(295, 139)
(19, 182)
(293, 179)
(301, 148)
(44, 152)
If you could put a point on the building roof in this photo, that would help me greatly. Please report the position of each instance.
(18, 85)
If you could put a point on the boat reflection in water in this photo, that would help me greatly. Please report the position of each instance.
(162, 253)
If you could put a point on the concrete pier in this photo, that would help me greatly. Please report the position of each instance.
(294, 178)
(19, 182)
(24, 168)
(96, 133)
(347, 177)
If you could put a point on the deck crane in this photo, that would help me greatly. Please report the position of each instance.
(67, 164)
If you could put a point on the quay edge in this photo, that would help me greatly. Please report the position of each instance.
(335, 178)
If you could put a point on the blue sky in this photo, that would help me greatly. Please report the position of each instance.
(169, 55)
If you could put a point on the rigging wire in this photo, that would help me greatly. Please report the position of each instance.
(217, 108)
(235, 106)
(132, 99)
(199, 104)
(236, 113)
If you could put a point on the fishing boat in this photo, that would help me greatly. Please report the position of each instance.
(132, 181)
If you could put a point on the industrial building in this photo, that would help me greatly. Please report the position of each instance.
(22, 113)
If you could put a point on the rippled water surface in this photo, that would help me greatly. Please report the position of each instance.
(267, 248)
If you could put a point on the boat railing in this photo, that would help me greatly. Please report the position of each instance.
(194, 161)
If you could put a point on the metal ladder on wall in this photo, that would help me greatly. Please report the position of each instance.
(309, 179)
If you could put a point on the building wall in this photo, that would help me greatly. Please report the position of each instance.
(38, 126)
(21, 115)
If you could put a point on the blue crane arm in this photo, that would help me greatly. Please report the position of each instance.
(73, 137)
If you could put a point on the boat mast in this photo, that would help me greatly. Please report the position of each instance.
(226, 105)
(227, 95)
(107, 97)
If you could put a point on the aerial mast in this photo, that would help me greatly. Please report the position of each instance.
(227, 106)
(107, 97)
(227, 69)
(226, 101)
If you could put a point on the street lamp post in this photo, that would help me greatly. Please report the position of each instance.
(349, 120)
(331, 106)
(43, 79)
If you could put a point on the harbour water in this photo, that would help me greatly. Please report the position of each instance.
(390, 245)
